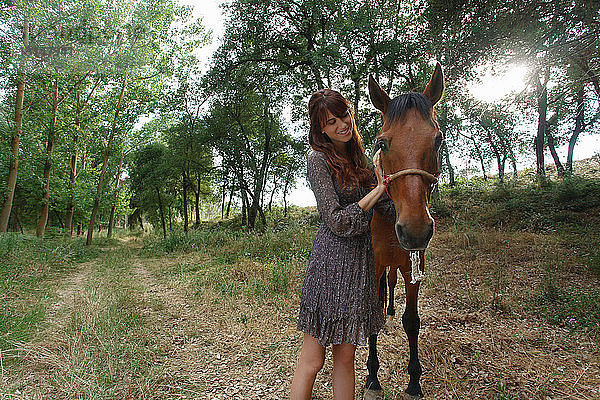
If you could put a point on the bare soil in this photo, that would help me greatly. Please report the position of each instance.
(479, 337)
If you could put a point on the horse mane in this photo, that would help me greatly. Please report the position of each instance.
(397, 108)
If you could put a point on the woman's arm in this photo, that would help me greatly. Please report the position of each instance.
(367, 202)
(385, 207)
(346, 221)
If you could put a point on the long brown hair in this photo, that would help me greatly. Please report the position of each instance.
(350, 170)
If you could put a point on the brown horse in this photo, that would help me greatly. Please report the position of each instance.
(408, 151)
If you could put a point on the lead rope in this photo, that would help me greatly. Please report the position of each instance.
(416, 274)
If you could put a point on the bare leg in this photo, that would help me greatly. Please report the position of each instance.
(343, 371)
(310, 362)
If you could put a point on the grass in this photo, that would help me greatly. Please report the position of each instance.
(512, 294)
(87, 337)
(27, 266)
(518, 206)
(552, 230)
(237, 262)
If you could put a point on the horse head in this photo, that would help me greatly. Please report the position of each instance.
(409, 144)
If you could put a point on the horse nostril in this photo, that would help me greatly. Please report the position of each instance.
(410, 239)
(429, 234)
(400, 233)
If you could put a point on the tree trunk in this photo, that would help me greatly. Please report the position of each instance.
(263, 219)
(560, 170)
(500, 158)
(513, 161)
(198, 201)
(185, 207)
(41, 225)
(229, 202)
(111, 221)
(73, 162)
(59, 219)
(288, 178)
(73, 167)
(542, 94)
(259, 180)
(244, 207)
(14, 143)
(579, 126)
(271, 198)
(105, 164)
(446, 152)
(481, 160)
(162, 214)
(223, 189)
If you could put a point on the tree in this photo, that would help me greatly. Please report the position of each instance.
(14, 146)
(150, 175)
(141, 58)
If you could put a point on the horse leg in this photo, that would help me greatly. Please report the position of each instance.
(392, 280)
(373, 387)
(373, 367)
(382, 288)
(411, 324)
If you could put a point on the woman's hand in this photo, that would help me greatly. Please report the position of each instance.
(378, 169)
(367, 202)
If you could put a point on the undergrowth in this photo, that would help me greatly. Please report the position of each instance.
(555, 205)
(563, 212)
(236, 262)
(573, 308)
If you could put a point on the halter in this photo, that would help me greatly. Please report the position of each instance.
(409, 171)
(416, 274)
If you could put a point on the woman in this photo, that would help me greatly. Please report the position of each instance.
(339, 304)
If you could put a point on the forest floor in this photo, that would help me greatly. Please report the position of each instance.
(217, 321)
(510, 307)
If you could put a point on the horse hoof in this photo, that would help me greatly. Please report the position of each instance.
(412, 397)
(370, 394)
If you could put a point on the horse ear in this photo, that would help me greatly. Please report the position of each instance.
(379, 97)
(435, 88)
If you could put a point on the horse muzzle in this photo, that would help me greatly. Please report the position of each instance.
(413, 237)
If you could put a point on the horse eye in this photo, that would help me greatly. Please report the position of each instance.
(381, 144)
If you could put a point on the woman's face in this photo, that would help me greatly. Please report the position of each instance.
(338, 129)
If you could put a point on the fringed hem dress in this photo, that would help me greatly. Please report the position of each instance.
(339, 302)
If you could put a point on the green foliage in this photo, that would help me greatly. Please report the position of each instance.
(565, 210)
(237, 261)
(593, 262)
(519, 207)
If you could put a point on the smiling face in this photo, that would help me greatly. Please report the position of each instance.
(338, 128)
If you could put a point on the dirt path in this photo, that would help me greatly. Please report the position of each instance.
(205, 356)
(125, 326)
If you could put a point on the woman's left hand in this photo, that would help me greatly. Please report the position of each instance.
(378, 169)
